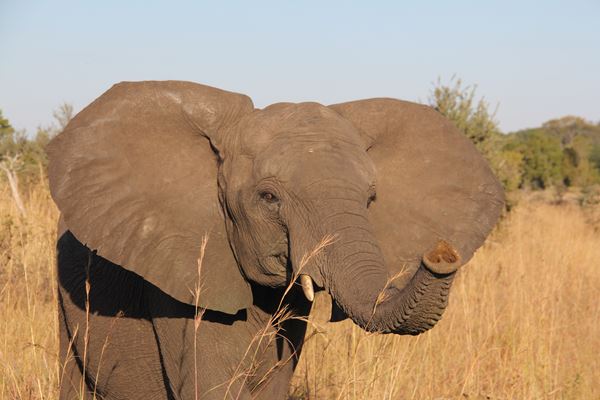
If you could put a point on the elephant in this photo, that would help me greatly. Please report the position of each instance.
(195, 230)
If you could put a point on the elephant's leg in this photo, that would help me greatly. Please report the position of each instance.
(72, 384)
(226, 357)
(209, 359)
(272, 378)
(107, 327)
(209, 370)
(273, 382)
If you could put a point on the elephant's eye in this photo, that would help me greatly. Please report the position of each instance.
(371, 199)
(269, 197)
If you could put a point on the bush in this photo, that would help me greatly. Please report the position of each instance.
(543, 158)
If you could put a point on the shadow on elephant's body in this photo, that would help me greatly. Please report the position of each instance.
(105, 280)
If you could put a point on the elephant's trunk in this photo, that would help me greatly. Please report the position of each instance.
(380, 307)
(354, 272)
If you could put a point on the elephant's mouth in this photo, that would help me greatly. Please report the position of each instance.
(282, 259)
(278, 265)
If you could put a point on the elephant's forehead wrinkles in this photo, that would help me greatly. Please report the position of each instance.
(300, 139)
(302, 163)
(313, 142)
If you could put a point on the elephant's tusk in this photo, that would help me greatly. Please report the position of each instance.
(307, 287)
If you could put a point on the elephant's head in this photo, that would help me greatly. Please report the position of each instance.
(148, 169)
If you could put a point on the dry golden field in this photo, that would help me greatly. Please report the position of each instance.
(523, 320)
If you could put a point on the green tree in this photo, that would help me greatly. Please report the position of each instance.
(10, 160)
(5, 127)
(7, 136)
(508, 165)
(63, 115)
(27, 156)
(567, 128)
(543, 158)
(577, 138)
(571, 162)
(578, 167)
(594, 157)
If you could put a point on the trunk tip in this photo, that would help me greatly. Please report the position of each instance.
(443, 259)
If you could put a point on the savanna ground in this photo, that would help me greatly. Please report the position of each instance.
(523, 320)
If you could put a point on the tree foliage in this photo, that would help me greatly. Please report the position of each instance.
(573, 137)
(457, 102)
(594, 157)
(24, 155)
(562, 152)
(543, 158)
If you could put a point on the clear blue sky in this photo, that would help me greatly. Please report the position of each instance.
(535, 60)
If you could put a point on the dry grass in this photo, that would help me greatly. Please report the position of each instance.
(28, 316)
(523, 320)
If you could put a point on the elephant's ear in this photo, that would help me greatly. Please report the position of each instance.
(432, 183)
(135, 176)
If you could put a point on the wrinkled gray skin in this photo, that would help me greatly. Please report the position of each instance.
(288, 176)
